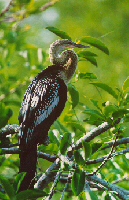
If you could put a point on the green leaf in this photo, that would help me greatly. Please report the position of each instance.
(59, 33)
(7, 187)
(108, 110)
(17, 181)
(107, 197)
(53, 138)
(88, 56)
(5, 114)
(74, 95)
(125, 84)
(106, 88)
(94, 113)
(78, 181)
(96, 147)
(62, 126)
(58, 127)
(90, 195)
(92, 60)
(11, 36)
(77, 126)
(28, 194)
(78, 158)
(83, 53)
(96, 43)
(127, 97)
(95, 103)
(120, 113)
(3, 196)
(65, 141)
(87, 149)
(87, 75)
(51, 148)
(82, 196)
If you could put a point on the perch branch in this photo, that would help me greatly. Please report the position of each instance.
(9, 129)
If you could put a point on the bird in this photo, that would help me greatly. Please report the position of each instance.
(43, 102)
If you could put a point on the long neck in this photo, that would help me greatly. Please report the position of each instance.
(68, 59)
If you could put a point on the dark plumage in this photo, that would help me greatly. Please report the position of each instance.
(43, 102)
(43, 99)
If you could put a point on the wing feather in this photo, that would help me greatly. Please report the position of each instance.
(40, 103)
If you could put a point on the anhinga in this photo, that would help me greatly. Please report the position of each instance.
(43, 102)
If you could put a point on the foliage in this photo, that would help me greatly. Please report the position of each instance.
(24, 53)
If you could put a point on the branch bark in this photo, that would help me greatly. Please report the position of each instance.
(48, 4)
(118, 142)
(9, 129)
(121, 193)
(6, 9)
(49, 175)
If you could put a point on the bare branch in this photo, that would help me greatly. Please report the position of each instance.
(9, 151)
(118, 142)
(14, 144)
(54, 185)
(6, 9)
(94, 161)
(48, 176)
(67, 181)
(48, 157)
(121, 193)
(9, 129)
(120, 180)
(48, 4)
(92, 134)
(105, 159)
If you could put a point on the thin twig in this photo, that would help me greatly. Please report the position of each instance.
(48, 4)
(92, 134)
(54, 185)
(6, 9)
(120, 192)
(120, 180)
(69, 175)
(105, 160)
(101, 159)
(48, 176)
(124, 140)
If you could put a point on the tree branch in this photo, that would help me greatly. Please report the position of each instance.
(48, 176)
(121, 193)
(9, 151)
(6, 9)
(105, 159)
(92, 134)
(48, 4)
(94, 161)
(118, 142)
(54, 185)
(9, 129)
(120, 180)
